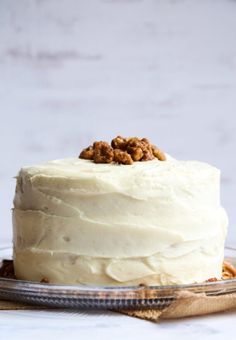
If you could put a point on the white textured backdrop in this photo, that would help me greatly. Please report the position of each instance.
(74, 71)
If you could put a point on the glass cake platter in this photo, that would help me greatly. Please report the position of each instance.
(66, 296)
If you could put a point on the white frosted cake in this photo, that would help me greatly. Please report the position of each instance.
(153, 222)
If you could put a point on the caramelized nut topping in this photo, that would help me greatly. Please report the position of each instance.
(135, 152)
(119, 143)
(229, 271)
(147, 155)
(145, 141)
(122, 157)
(123, 151)
(158, 153)
(212, 279)
(134, 142)
(103, 152)
(87, 153)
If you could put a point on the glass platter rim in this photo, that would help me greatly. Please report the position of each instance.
(60, 295)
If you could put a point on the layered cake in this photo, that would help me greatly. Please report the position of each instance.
(123, 214)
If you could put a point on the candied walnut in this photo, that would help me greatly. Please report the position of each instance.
(158, 153)
(134, 142)
(119, 143)
(133, 148)
(229, 271)
(142, 144)
(226, 276)
(87, 153)
(103, 152)
(145, 141)
(147, 155)
(212, 279)
(122, 157)
(135, 152)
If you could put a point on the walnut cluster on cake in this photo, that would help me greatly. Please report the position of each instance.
(122, 151)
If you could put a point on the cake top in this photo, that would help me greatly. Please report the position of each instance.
(122, 151)
(170, 171)
(99, 170)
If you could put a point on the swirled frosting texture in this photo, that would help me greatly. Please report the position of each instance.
(105, 224)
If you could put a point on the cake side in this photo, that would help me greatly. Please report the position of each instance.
(150, 222)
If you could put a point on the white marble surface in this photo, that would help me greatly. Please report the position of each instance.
(74, 71)
(24, 325)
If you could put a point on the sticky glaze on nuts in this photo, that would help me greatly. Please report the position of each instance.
(123, 151)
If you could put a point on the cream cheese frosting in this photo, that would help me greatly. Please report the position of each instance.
(154, 222)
